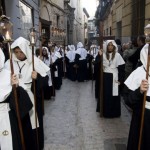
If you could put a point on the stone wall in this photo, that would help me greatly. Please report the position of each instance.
(13, 10)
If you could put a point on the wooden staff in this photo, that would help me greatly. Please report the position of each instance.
(144, 101)
(51, 70)
(91, 66)
(42, 93)
(35, 104)
(64, 62)
(16, 100)
(101, 67)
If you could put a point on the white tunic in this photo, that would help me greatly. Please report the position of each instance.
(5, 89)
(133, 82)
(24, 70)
(110, 66)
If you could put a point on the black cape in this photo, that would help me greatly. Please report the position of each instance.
(135, 99)
(25, 106)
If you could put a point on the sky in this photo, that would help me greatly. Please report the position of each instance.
(90, 6)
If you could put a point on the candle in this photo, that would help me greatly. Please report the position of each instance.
(32, 40)
(7, 36)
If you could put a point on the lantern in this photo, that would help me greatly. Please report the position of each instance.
(33, 36)
(6, 28)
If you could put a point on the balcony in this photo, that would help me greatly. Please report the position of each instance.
(103, 10)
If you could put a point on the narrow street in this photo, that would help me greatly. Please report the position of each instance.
(71, 122)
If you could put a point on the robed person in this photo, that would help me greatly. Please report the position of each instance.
(81, 62)
(57, 62)
(22, 62)
(137, 85)
(113, 77)
(70, 58)
(92, 53)
(9, 128)
(46, 58)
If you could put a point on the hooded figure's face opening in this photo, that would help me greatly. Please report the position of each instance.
(44, 52)
(19, 54)
(110, 47)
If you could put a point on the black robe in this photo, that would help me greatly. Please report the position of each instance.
(81, 69)
(53, 69)
(25, 106)
(97, 77)
(58, 80)
(89, 67)
(135, 99)
(40, 83)
(71, 70)
(47, 90)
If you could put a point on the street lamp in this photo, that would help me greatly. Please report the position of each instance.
(147, 33)
(6, 28)
(33, 36)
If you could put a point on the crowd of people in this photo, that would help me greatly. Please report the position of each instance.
(123, 72)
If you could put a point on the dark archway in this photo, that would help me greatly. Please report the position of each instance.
(2, 7)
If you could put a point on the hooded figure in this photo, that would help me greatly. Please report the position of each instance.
(71, 53)
(57, 60)
(22, 63)
(81, 51)
(10, 135)
(46, 58)
(93, 51)
(70, 58)
(81, 62)
(23, 68)
(135, 83)
(113, 76)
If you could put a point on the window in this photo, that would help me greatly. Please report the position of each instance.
(26, 18)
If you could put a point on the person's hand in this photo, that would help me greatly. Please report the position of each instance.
(100, 52)
(34, 75)
(14, 80)
(144, 86)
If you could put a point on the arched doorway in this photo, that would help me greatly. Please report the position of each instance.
(45, 23)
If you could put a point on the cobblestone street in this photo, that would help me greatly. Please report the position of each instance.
(71, 122)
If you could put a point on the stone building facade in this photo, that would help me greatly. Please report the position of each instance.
(67, 17)
(80, 21)
(124, 19)
(53, 20)
(60, 21)
(24, 14)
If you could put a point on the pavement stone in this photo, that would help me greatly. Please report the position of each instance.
(71, 121)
